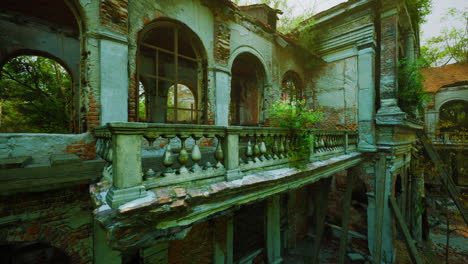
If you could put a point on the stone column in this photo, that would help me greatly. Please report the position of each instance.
(222, 81)
(223, 239)
(126, 163)
(273, 230)
(102, 252)
(417, 201)
(231, 154)
(389, 112)
(366, 110)
(410, 44)
(114, 78)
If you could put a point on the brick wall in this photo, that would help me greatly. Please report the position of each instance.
(84, 150)
(197, 247)
(114, 15)
(60, 218)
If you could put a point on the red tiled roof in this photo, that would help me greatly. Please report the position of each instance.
(437, 77)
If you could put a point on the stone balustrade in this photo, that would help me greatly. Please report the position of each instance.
(450, 138)
(237, 151)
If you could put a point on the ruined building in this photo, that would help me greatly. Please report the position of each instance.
(173, 158)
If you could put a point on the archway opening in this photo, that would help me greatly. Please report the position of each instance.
(247, 84)
(32, 253)
(172, 72)
(291, 87)
(453, 116)
(36, 96)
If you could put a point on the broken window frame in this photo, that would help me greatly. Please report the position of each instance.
(197, 92)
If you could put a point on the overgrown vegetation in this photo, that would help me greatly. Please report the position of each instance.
(451, 45)
(35, 96)
(418, 10)
(289, 20)
(411, 95)
(295, 115)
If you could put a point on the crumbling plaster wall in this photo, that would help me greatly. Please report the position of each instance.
(336, 89)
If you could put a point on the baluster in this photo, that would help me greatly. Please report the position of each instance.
(219, 155)
(256, 149)
(168, 160)
(263, 150)
(150, 174)
(275, 148)
(196, 154)
(108, 151)
(249, 151)
(99, 147)
(281, 147)
(183, 155)
(287, 146)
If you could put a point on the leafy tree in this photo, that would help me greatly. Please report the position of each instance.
(36, 96)
(452, 43)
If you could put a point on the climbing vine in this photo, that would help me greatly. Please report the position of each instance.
(411, 95)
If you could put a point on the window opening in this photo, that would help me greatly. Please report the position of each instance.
(36, 96)
(170, 67)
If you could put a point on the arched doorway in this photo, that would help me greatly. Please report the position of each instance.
(247, 82)
(50, 29)
(172, 72)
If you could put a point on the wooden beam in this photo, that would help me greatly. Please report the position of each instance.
(408, 239)
(446, 178)
(321, 206)
(345, 217)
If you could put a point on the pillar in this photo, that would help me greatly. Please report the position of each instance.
(231, 154)
(273, 230)
(223, 240)
(366, 110)
(114, 79)
(103, 253)
(127, 173)
(389, 112)
(222, 82)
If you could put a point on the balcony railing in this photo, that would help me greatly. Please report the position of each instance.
(235, 152)
(450, 138)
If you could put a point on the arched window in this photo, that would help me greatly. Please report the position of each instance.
(171, 69)
(36, 96)
(291, 87)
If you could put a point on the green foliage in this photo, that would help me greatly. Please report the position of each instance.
(295, 115)
(418, 10)
(289, 20)
(35, 96)
(452, 43)
(411, 95)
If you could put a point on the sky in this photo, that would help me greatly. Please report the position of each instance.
(431, 28)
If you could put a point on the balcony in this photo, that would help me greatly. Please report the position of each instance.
(450, 139)
(185, 160)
